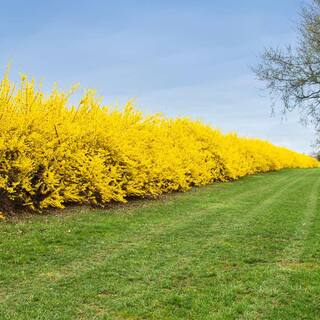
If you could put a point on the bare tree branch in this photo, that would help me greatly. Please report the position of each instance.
(293, 74)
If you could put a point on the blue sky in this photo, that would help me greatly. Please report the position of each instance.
(181, 58)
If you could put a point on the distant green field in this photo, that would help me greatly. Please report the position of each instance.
(249, 249)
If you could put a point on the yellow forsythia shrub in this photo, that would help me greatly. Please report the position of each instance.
(52, 154)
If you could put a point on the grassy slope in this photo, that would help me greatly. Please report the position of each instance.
(243, 250)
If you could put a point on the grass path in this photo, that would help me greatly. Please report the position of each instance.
(249, 249)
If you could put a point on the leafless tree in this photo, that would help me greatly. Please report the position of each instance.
(293, 74)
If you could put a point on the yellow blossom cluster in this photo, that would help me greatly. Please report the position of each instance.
(53, 154)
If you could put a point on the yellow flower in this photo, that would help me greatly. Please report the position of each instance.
(53, 154)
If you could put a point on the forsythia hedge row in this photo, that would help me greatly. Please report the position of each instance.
(52, 154)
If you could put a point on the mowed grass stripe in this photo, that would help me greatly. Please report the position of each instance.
(96, 257)
(169, 223)
(198, 261)
(121, 231)
(213, 253)
(293, 253)
(311, 249)
(294, 280)
(179, 264)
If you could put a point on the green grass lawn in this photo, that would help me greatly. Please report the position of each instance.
(243, 250)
